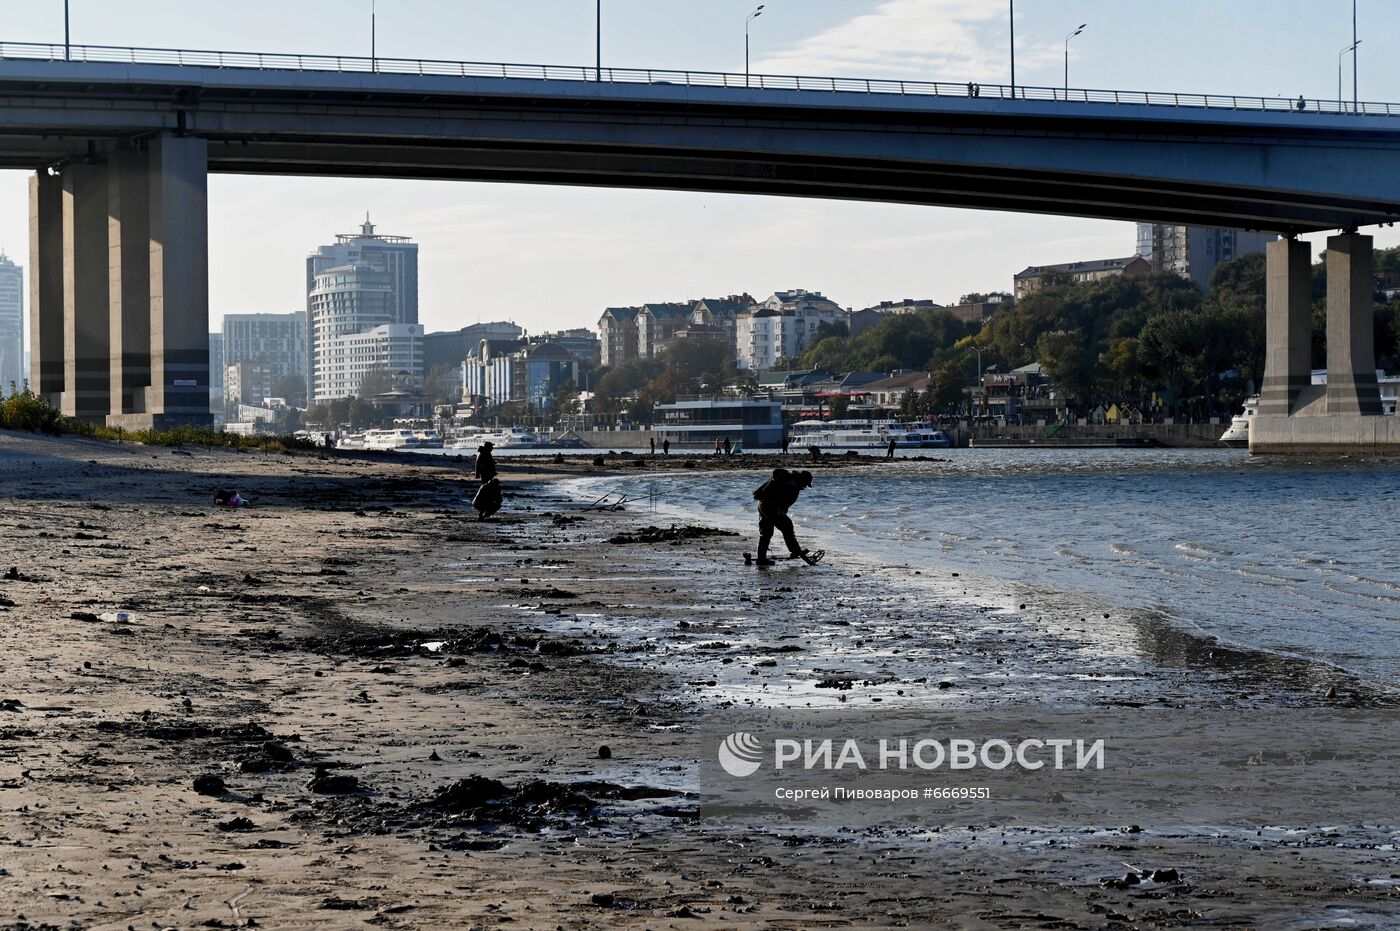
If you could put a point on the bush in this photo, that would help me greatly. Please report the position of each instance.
(25, 410)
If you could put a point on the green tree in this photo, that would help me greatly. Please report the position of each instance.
(291, 387)
(838, 407)
(375, 381)
(443, 384)
(1068, 362)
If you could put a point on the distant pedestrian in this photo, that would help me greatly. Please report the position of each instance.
(774, 497)
(728, 447)
(889, 450)
(653, 446)
(486, 462)
(1302, 104)
(666, 447)
(786, 440)
(719, 446)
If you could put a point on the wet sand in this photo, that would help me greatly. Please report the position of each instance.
(345, 667)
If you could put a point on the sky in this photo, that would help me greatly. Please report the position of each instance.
(549, 257)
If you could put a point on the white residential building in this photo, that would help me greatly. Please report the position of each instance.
(782, 328)
(343, 361)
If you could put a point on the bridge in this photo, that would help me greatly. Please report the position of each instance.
(121, 141)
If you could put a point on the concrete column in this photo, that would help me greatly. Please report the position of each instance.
(46, 286)
(179, 281)
(1288, 356)
(85, 319)
(1351, 336)
(129, 281)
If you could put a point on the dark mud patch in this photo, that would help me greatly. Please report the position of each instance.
(673, 535)
(445, 641)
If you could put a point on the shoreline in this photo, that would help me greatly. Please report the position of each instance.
(301, 622)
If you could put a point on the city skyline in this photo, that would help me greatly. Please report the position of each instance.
(551, 257)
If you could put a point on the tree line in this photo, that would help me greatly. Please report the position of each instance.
(1121, 339)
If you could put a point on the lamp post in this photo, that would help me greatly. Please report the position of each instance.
(1013, 48)
(67, 45)
(752, 16)
(978, 387)
(1354, 43)
(598, 40)
(1341, 105)
(373, 37)
(1076, 32)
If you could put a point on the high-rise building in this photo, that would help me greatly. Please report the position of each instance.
(11, 325)
(343, 361)
(1194, 251)
(394, 257)
(216, 374)
(346, 301)
(275, 342)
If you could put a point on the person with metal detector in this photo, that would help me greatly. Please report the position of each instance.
(774, 497)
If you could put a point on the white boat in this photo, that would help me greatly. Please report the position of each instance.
(392, 439)
(351, 441)
(1238, 434)
(501, 439)
(866, 434)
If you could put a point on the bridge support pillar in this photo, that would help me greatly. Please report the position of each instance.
(85, 295)
(1351, 329)
(119, 307)
(46, 287)
(129, 279)
(1288, 325)
(162, 306)
(1344, 416)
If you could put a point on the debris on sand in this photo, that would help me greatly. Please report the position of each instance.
(672, 534)
(479, 800)
(550, 592)
(272, 757)
(324, 783)
(210, 784)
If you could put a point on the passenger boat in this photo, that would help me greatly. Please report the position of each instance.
(1237, 436)
(384, 440)
(501, 439)
(866, 434)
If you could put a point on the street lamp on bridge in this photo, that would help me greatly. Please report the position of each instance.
(373, 37)
(1013, 48)
(1082, 27)
(67, 47)
(752, 16)
(1341, 105)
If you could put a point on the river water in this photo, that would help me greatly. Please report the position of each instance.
(1295, 557)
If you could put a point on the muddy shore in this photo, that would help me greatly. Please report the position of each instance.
(351, 705)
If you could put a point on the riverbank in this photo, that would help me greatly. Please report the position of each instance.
(406, 712)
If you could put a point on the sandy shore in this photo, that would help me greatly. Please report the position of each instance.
(297, 721)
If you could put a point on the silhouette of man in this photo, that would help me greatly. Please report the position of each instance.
(774, 497)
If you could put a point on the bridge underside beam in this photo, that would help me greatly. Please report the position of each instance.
(120, 299)
(950, 185)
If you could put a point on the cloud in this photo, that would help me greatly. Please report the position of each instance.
(934, 40)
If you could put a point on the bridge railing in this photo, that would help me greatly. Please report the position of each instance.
(282, 61)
